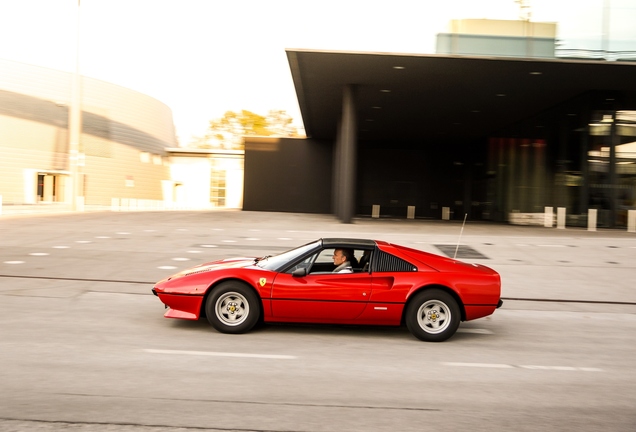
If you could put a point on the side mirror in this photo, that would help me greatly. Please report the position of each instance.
(299, 272)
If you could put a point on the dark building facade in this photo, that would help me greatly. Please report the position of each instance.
(492, 138)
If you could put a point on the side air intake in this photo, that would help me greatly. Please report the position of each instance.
(384, 262)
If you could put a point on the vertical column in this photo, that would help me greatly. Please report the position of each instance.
(613, 177)
(525, 192)
(345, 158)
(539, 175)
(335, 185)
(75, 120)
(511, 179)
(584, 194)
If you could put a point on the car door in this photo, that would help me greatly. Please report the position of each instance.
(321, 297)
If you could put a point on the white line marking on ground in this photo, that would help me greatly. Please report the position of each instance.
(531, 367)
(474, 331)
(60, 247)
(221, 354)
(284, 238)
(38, 254)
(229, 241)
(480, 365)
(180, 259)
(209, 246)
(166, 267)
(14, 262)
(123, 233)
(102, 237)
(83, 241)
(195, 251)
(252, 238)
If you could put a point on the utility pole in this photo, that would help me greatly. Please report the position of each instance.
(75, 122)
(525, 10)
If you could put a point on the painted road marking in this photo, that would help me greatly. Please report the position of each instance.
(83, 241)
(166, 267)
(102, 237)
(14, 262)
(180, 259)
(38, 254)
(195, 251)
(208, 246)
(221, 354)
(60, 247)
(480, 365)
(533, 367)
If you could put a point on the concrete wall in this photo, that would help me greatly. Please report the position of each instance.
(288, 175)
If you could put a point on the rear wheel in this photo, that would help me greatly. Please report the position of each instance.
(433, 316)
(232, 308)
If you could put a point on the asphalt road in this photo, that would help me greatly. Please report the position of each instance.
(84, 345)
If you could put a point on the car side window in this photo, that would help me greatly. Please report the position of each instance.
(323, 262)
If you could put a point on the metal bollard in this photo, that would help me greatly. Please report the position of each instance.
(631, 221)
(548, 220)
(560, 217)
(375, 212)
(410, 212)
(591, 219)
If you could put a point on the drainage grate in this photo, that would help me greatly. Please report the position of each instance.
(463, 252)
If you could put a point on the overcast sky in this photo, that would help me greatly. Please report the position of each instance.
(204, 57)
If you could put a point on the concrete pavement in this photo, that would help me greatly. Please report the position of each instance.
(571, 265)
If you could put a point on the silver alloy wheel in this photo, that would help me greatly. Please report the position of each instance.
(434, 316)
(232, 308)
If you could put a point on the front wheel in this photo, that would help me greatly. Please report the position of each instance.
(232, 307)
(433, 316)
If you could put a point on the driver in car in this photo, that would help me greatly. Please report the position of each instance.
(342, 260)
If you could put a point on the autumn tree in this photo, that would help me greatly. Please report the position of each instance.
(228, 131)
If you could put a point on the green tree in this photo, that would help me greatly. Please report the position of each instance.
(228, 131)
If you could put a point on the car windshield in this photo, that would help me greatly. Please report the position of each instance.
(278, 262)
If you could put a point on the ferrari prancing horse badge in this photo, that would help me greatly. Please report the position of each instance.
(262, 281)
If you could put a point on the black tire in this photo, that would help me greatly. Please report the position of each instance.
(233, 307)
(433, 316)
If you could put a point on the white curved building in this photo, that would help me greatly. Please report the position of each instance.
(122, 147)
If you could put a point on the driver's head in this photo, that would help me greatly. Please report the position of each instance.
(341, 255)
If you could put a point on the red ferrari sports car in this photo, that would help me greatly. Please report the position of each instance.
(383, 284)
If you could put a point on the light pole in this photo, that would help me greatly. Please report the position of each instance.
(75, 121)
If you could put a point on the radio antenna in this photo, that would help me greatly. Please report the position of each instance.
(460, 235)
